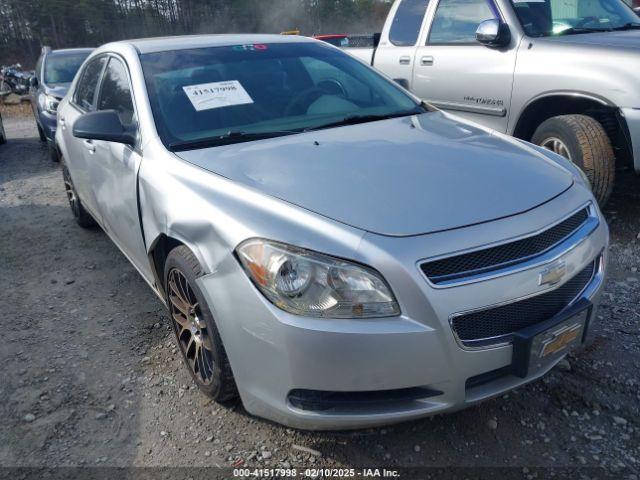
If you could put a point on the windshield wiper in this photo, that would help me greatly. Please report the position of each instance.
(627, 26)
(356, 119)
(228, 138)
(576, 30)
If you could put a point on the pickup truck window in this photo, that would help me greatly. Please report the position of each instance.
(221, 94)
(456, 21)
(406, 24)
(542, 18)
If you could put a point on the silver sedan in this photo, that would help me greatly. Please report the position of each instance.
(330, 248)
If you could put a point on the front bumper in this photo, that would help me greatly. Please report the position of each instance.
(48, 123)
(632, 117)
(276, 355)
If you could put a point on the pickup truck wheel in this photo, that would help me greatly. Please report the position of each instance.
(83, 218)
(195, 328)
(582, 140)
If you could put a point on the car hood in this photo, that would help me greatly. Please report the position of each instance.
(57, 90)
(624, 38)
(400, 177)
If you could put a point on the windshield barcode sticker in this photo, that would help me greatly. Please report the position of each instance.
(207, 96)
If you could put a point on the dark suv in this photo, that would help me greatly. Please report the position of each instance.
(54, 73)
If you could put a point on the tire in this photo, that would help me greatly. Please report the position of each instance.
(41, 134)
(3, 135)
(196, 332)
(83, 218)
(53, 153)
(582, 140)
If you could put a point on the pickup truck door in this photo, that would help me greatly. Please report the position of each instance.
(396, 52)
(456, 73)
(114, 170)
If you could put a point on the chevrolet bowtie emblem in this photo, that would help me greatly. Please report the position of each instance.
(553, 273)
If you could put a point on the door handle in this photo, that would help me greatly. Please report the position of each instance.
(62, 122)
(90, 146)
(405, 60)
(426, 61)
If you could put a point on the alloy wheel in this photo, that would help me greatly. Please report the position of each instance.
(71, 191)
(557, 146)
(191, 329)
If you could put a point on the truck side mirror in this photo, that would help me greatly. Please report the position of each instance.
(493, 33)
(33, 81)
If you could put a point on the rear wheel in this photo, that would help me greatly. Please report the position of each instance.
(83, 218)
(195, 328)
(582, 140)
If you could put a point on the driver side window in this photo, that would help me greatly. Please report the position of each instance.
(88, 84)
(456, 21)
(115, 93)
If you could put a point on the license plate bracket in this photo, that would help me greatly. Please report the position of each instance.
(538, 346)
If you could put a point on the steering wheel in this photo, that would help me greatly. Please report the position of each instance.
(304, 99)
(585, 21)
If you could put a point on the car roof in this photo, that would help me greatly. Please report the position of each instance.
(163, 44)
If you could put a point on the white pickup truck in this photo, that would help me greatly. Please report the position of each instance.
(563, 74)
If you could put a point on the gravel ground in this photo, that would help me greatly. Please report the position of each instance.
(91, 375)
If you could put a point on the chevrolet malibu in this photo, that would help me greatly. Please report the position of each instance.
(331, 249)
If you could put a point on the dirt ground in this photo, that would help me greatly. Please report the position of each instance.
(90, 374)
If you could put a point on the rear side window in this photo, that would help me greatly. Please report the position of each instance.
(115, 93)
(88, 84)
(456, 21)
(406, 24)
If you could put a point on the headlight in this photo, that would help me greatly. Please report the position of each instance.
(307, 283)
(51, 104)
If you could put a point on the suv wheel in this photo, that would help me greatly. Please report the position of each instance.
(83, 218)
(582, 140)
(41, 134)
(53, 152)
(195, 328)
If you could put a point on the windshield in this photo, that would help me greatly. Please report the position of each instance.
(541, 18)
(61, 68)
(263, 89)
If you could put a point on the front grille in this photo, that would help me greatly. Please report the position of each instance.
(319, 400)
(507, 319)
(501, 256)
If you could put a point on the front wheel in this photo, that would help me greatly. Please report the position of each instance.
(195, 328)
(41, 134)
(582, 140)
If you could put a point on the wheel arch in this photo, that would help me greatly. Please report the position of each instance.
(551, 104)
(159, 251)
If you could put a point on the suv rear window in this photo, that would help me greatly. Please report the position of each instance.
(407, 22)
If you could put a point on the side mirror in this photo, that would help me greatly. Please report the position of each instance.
(493, 33)
(104, 125)
(33, 81)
